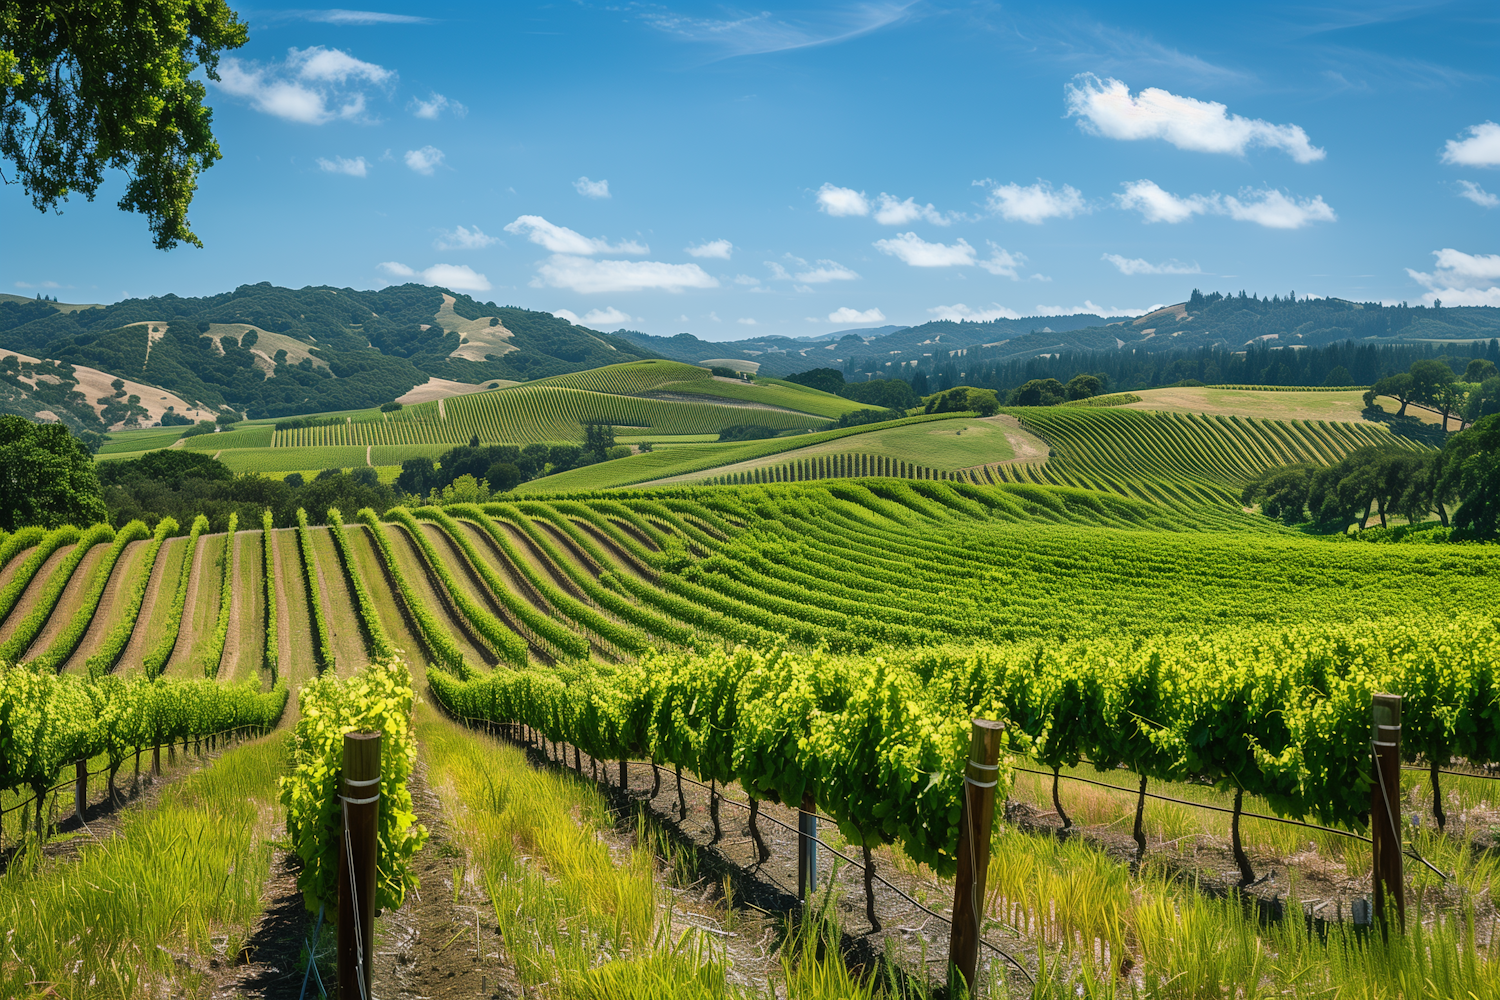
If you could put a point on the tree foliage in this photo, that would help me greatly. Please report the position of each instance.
(47, 477)
(93, 85)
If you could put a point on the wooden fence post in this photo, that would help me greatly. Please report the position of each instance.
(976, 819)
(80, 788)
(358, 853)
(807, 848)
(1385, 808)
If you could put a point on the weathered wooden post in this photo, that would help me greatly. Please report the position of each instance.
(1385, 808)
(807, 848)
(976, 820)
(80, 788)
(358, 853)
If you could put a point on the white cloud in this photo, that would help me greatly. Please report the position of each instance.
(1006, 264)
(745, 279)
(846, 315)
(456, 277)
(1137, 265)
(720, 249)
(751, 34)
(591, 189)
(1480, 149)
(463, 238)
(892, 212)
(336, 16)
(1478, 195)
(911, 249)
(1267, 207)
(1156, 205)
(596, 318)
(824, 272)
(1091, 308)
(313, 86)
(959, 311)
(1106, 108)
(746, 321)
(433, 108)
(1462, 279)
(356, 167)
(778, 272)
(842, 201)
(1274, 210)
(581, 274)
(425, 160)
(561, 239)
(1036, 203)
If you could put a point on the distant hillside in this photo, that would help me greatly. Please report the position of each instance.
(1229, 323)
(774, 355)
(279, 352)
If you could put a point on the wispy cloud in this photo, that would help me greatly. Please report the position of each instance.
(356, 167)
(1035, 203)
(433, 108)
(561, 239)
(717, 249)
(747, 321)
(1477, 194)
(911, 249)
(425, 160)
(1106, 108)
(1138, 265)
(589, 276)
(591, 189)
(463, 238)
(1480, 149)
(312, 86)
(596, 318)
(825, 271)
(1266, 207)
(958, 311)
(844, 314)
(840, 201)
(338, 16)
(455, 277)
(1461, 279)
(756, 34)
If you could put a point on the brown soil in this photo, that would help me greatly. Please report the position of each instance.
(200, 610)
(623, 560)
(474, 586)
(569, 549)
(229, 656)
(399, 627)
(69, 603)
(299, 654)
(111, 604)
(431, 592)
(29, 597)
(9, 570)
(245, 649)
(497, 560)
(345, 637)
(151, 621)
(436, 945)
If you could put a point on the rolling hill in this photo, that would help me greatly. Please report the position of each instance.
(273, 352)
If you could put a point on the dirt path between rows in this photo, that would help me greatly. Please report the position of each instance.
(435, 945)
(147, 632)
(116, 592)
(33, 592)
(229, 656)
(69, 603)
(180, 662)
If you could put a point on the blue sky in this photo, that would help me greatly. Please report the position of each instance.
(779, 169)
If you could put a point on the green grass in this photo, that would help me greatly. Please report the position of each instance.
(181, 878)
(246, 437)
(280, 461)
(146, 439)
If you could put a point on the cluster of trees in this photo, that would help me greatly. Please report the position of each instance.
(882, 393)
(1051, 392)
(962, 399)
(1373, 482)
(1345, 363)
(182, 484)
(1434, 385)
(505, 466)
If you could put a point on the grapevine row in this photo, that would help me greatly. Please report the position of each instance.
(380, 643)
(157, 658)
(314, 592)
(268, 583)
(114, 644)
(438, 639)
(215, 651)
(20, 640)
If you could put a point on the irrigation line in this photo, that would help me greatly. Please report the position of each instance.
(1408, 851)
(858, 864)
(105, 770)
(1459, 774)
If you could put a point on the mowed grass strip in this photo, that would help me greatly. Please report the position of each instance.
(399, 631)
(299, 655)
(200, 613)
(339, 605)
(245, 652)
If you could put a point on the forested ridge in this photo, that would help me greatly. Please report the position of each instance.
(334, 348)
